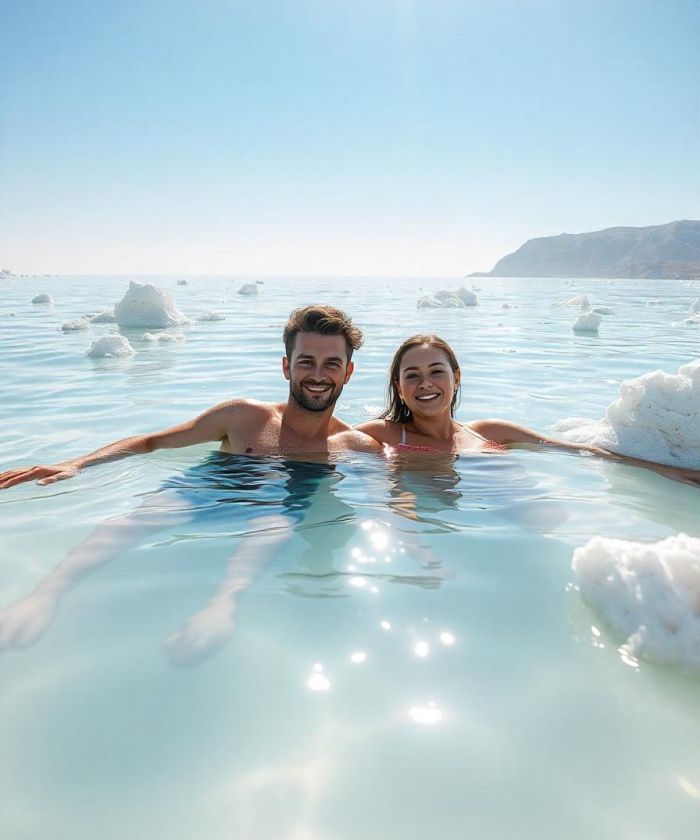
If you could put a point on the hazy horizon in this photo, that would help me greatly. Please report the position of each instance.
(316, 139)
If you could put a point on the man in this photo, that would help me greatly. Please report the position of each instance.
(319, 342)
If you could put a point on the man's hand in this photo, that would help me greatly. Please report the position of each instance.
(42, 475)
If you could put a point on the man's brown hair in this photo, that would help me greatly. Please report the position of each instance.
(324, 320)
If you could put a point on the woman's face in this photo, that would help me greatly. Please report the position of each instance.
(426, 381)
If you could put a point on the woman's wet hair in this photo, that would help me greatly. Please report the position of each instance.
(324, 320)
(397, 410)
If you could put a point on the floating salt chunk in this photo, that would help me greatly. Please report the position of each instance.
(74, 326)
(468, 298)
(580, 300)
(654, 418)
(164, 337)
(587, 322)
(695, 306)
(507, 305)
(111, 344)
(208, 315)
(42, 298)
(248, 289)
(655, 302)
(450, 300)
(426, 302)
(603, 310)
(182, 283)
(145, 305)
(648, 594)
(105, 317)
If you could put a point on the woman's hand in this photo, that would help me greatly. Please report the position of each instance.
(46, 474)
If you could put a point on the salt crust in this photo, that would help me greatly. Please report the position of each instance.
(648, 594)
(208, 315)
(588, 321)
(656, 417)
(111, 344)
(42, 298)
(603, 310)
(145, 305)
(248, 289)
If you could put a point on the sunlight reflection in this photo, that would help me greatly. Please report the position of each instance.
(422, 649)
(693, 791)
(318, 680)
(427, 715)
(385, 625)
(447, 638)
(358, 657)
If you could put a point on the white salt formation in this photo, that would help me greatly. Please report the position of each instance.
(695, 305)
(656, 418)
(507, 305)
(111, 344)
(74, 326)
(43, 298)
(104, 317)
(580, 301)
(587, 322)
(603, 310)
(145, 305)
(208, 315)
(656, 302)
(468, 298)
(248, 289)
(648, 594)
(182, 283)
(164, 337)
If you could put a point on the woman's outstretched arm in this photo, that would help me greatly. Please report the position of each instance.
(507, 433)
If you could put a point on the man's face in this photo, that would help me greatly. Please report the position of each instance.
(317, 370)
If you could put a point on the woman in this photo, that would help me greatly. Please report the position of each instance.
(424, 383)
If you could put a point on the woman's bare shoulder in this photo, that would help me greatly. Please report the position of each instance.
(385, 431)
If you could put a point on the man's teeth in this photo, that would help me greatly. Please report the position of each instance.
(319, 389)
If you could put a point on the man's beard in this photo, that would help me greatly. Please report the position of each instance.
(296, 392)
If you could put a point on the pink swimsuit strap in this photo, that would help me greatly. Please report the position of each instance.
(407, 447)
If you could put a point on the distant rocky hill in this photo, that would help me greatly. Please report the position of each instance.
(662, 251)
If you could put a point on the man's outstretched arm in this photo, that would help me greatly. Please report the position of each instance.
(210, 426)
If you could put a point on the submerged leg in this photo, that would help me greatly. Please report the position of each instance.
(27, 620)
(211, 627)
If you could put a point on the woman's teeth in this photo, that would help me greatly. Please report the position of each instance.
(428, 397)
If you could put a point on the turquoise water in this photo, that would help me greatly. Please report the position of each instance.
(407, 657)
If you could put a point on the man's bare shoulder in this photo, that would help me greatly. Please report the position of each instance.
(353, 440)
(247, 409)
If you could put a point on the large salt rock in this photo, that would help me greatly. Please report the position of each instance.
(42, 298)
(104, 317)
(656, 418)
(111, 344)
(603, 310)
(450, 300)
(145, 305)
(426, 302)
(587, 322)
(468, 298)
(248, 289)
(648, 594)
(182, 282)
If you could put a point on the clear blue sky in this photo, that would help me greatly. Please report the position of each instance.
(323, 137)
